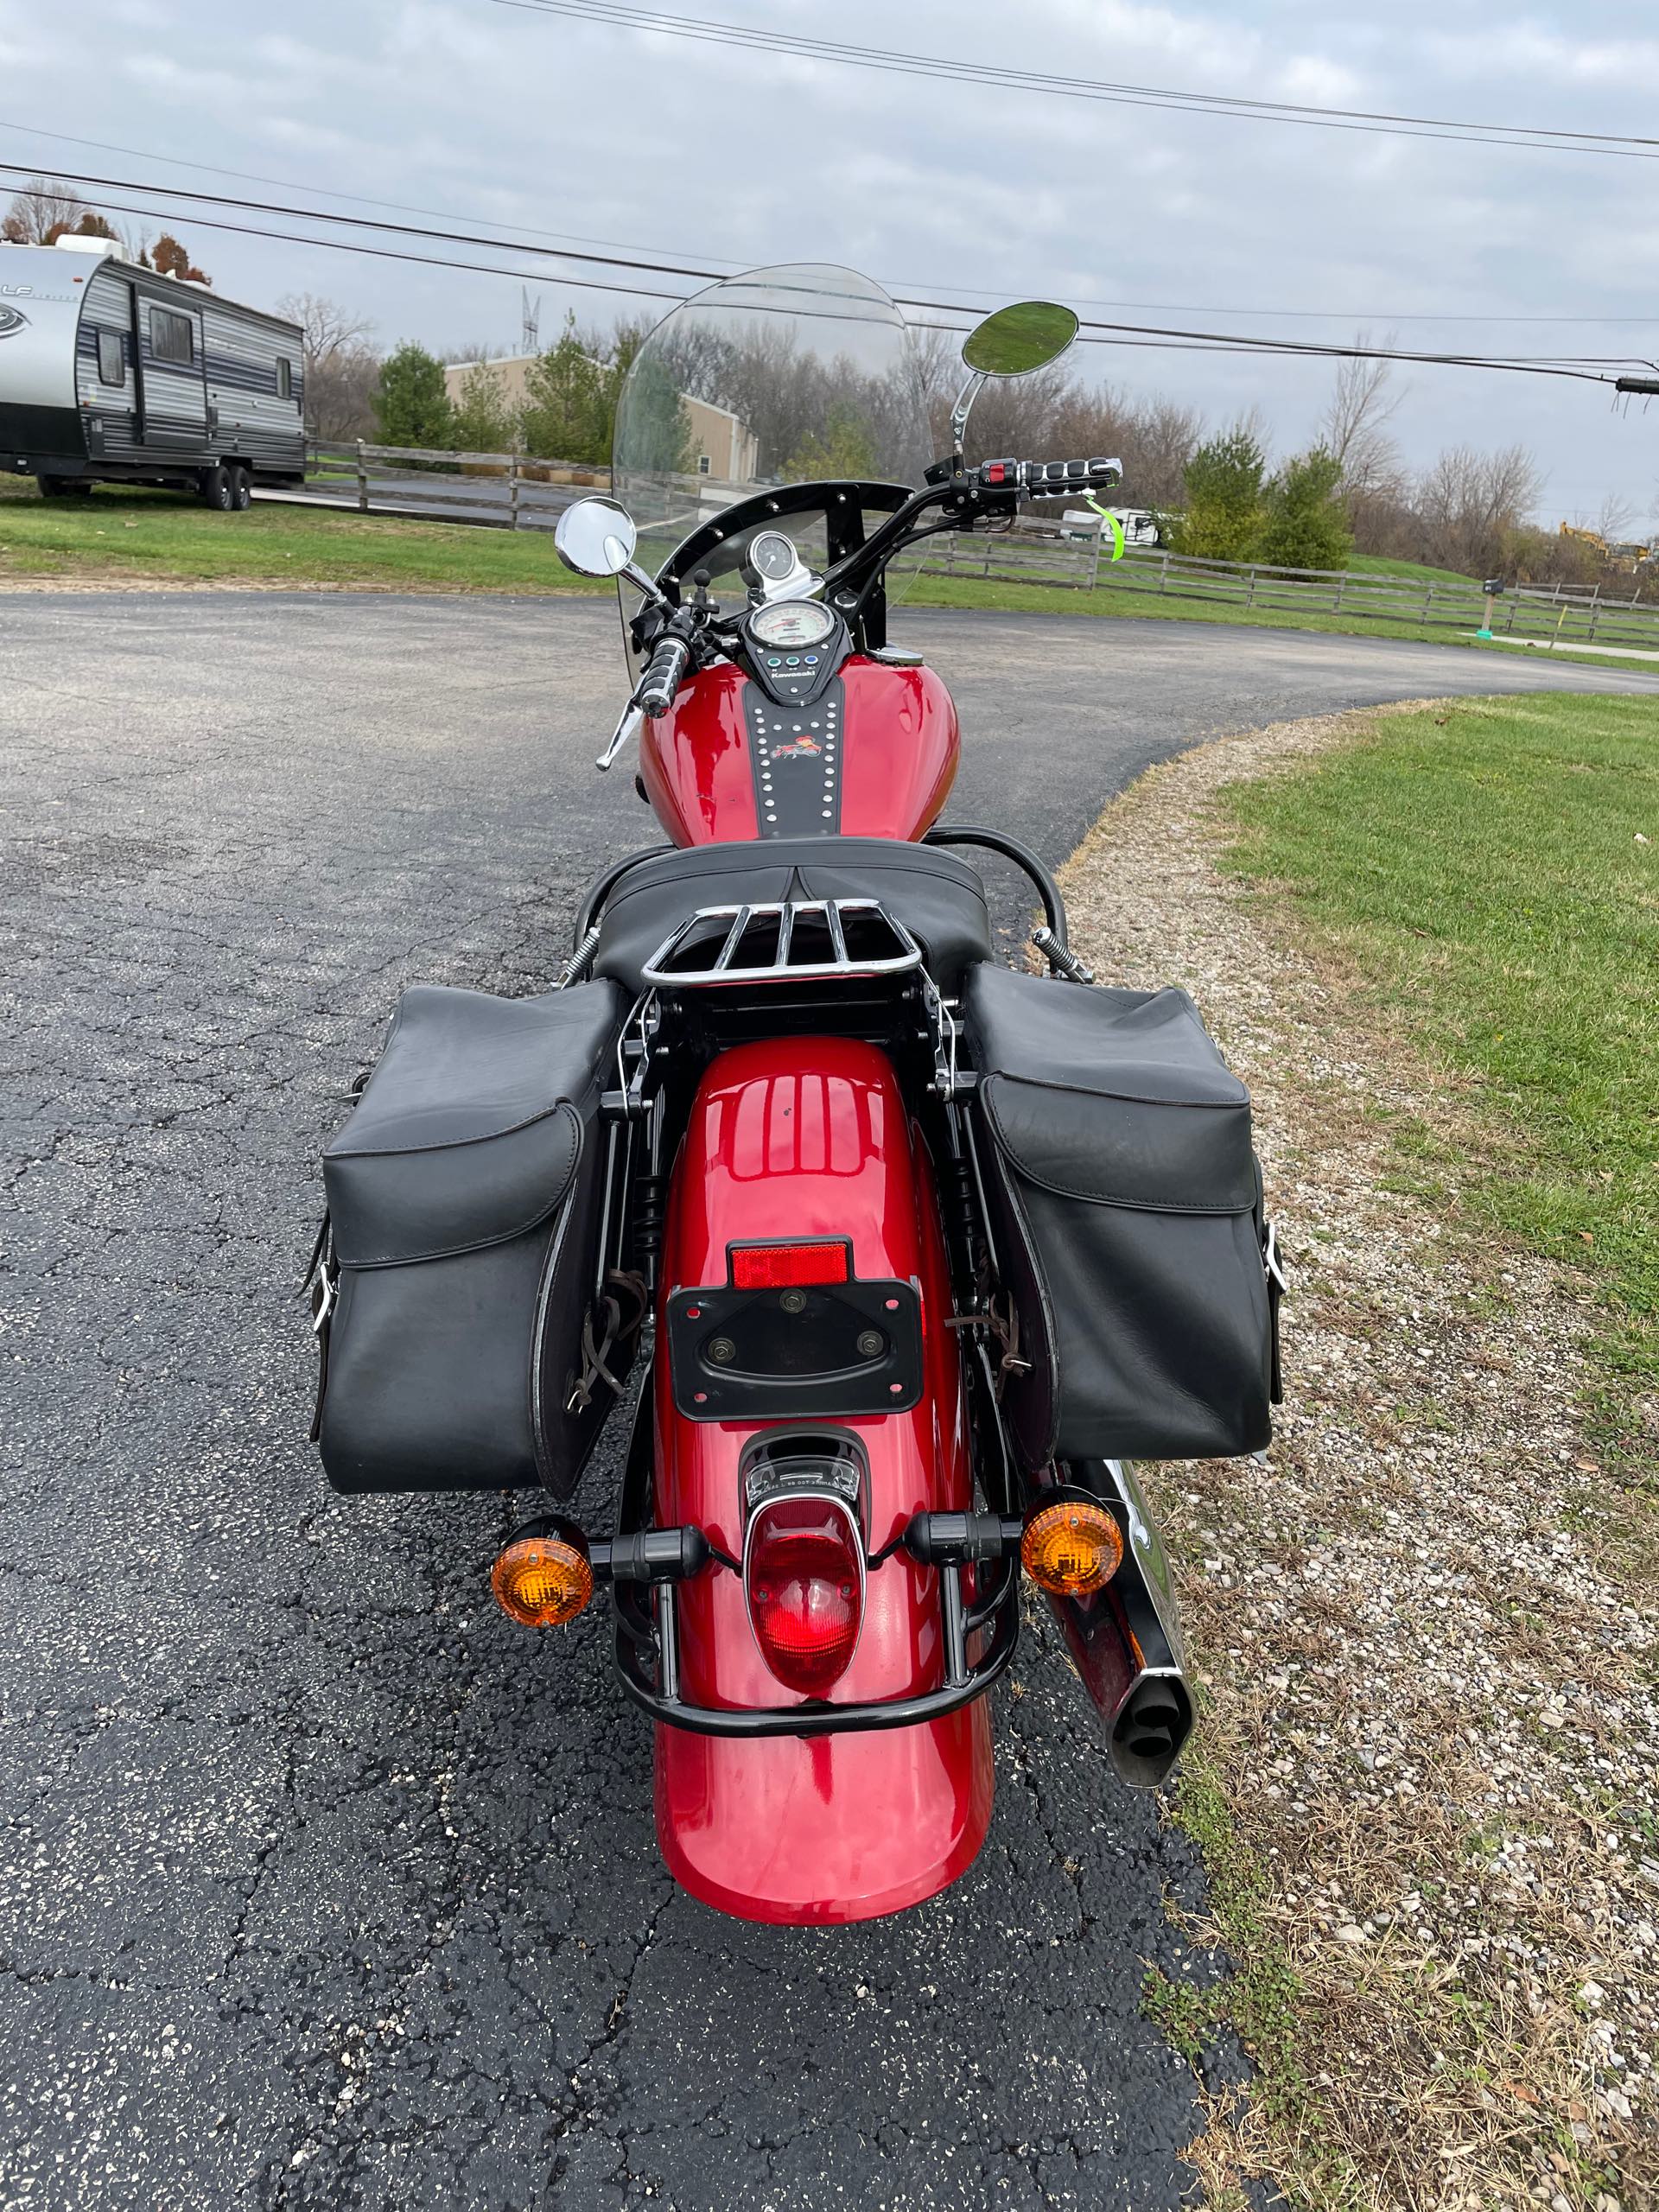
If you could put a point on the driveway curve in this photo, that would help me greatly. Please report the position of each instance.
(322, 1885)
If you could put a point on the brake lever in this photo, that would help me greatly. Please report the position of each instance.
(633, 721)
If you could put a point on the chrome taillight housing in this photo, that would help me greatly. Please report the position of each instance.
(803, 1573)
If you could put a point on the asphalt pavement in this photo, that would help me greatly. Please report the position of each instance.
(321, 1884)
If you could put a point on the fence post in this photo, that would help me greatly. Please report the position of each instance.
(362, 479)
(1094, 566)
(513, 491)
(1249, 596)
(1336, 604)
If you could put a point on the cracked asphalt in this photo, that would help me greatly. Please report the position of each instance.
(321, 1884)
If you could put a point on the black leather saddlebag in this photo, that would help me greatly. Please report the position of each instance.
(1127, 1206)
(939, 899)
(460, 1290)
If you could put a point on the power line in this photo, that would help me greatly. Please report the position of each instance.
(286, 184)
(386, 253)
(1095, 331)
(368, 223)
(1387, 318)
(1537, 138)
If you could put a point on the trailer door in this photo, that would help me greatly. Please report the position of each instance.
(175, 377)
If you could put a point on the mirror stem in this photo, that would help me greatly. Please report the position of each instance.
(644, 585)
(960, 412)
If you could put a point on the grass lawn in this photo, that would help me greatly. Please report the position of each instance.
(1371, 564)
(1490, 868)
(1114, 600)
(126, 534)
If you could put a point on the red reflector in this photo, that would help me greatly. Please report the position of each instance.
(803, 1579)
(774, 1266)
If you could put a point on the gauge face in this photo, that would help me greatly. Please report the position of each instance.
(773, 555)
(792, 622)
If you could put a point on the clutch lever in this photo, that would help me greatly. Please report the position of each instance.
(632, 719)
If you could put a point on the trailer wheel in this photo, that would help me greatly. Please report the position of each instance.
(63, 487)
(241, 486)
(216, 488)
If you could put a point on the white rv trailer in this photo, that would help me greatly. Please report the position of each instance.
(111, 373)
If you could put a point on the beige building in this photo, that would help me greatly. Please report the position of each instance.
(722, 448)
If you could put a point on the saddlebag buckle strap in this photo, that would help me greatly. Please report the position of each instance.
(321, 1284)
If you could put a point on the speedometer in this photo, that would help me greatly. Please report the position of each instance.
(791, 622)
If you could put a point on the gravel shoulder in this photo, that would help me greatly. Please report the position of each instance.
(1426, 1640)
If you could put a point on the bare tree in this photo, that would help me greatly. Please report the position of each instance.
(1355, 424)
(40, 212)
(1163, 438)
(1470, 503)
(474, 351)
(341, 367)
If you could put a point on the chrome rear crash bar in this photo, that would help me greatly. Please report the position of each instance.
(780, 920)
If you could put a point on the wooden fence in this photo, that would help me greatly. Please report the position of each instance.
(518, 492)
(1039, 551)
(508, 491)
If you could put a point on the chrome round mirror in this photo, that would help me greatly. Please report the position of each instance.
(1015, 340)
(596, 538)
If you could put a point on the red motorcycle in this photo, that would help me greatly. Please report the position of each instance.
(918, 1252)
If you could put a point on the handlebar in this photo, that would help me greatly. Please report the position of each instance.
(664, 671)
(1048, 479)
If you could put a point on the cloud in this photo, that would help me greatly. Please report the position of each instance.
(704, 155)
(1529, 49)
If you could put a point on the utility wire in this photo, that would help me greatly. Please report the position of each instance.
(1095, 331)
(286, 184)
(1387, 318)
(1537, 138)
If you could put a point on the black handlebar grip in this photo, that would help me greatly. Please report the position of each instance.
(1041, 479)
(661, 678)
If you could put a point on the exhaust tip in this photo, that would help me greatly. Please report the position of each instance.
(1151, 1725)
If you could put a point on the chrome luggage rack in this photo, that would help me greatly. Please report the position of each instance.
(788, 940)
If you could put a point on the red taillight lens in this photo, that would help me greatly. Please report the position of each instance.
(803, 1579)
(776, 1266)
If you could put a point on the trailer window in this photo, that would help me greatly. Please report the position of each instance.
(171, 336)
(284, 380)
(111, 366)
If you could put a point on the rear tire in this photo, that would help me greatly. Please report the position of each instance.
(241, 488)
(216, 485)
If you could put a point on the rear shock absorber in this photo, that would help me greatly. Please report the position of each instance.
(650, 1206)
(955, 1183)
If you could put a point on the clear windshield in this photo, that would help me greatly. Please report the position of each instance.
(784, 376)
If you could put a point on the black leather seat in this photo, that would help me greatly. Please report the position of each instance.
(939, 899)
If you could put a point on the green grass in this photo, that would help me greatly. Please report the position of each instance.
(1482, 866)
(1116, 601)
(124, 534)
(1372, 564)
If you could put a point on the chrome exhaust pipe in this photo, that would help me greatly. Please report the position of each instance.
(1125, 1641)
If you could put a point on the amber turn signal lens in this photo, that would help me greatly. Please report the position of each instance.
(542, 1581)
(1071, 1548)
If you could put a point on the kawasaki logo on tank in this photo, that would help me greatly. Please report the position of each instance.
(12, 319)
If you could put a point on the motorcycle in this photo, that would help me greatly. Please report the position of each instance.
(919, 1252)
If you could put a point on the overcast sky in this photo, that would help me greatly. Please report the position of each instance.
(501, 116)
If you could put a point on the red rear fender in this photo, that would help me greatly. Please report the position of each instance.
(809, 1138)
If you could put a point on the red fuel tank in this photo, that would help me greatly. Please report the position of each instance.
(874, 757)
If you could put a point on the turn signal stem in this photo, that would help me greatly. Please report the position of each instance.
(935, 1538)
